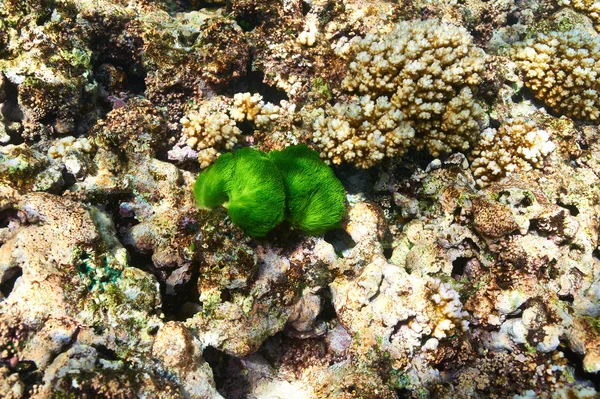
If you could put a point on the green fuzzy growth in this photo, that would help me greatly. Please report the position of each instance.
(256, 193)
(259, 190)
(210, 189)
(315, 197)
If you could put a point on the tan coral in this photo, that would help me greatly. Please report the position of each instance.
(251, 107)
(209, 130)
(414, 87)
(357, 133)
(518, 145)
(246, 106)
(67, 144)
(562, 69)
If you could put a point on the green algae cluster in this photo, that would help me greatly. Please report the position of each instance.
(261, 190)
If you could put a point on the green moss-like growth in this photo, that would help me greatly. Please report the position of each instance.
(258, 190)
(256, 193)
(249, 186)
(210, 189)
(315, 197)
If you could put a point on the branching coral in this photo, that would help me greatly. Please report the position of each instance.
(562, 69)
(212, 128)
(209, 130)
(518, 145)
(413, 87)
(246, 106)
(251, 107)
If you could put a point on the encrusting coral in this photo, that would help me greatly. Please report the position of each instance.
(588, 7)
(413, 87)
(562, 69)
(518, 145)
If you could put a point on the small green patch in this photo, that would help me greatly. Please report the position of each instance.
(97, 277)
(530, 348)
(565, 24)
(593, 322)
(321, 90)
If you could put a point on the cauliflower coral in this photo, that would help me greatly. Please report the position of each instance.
(212, 128)
(563, 69)
(208, 131)
(518, 145)
(411, 87)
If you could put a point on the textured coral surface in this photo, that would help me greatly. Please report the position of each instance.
(465, 134)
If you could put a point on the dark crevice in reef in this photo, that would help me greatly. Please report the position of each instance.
(253, 82)
(596, 253)
(115, 94)
(228, 372)
(106, 353)
(29, 375)
(306, 7)
(246, 127)
(399, 325)
(340, 239)
(388, 252)
(8, 215)
(248, 22)
(194, 5)
(327, 308)
(458, 265)
(135, 74)
(579, 373)
(10, 105)
(573, 210)
(9, 280)
(10, 110)
(356, 180)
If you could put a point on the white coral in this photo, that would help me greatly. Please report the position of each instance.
(68, 144)
(246, 106)
(209, 130)
(518, 145)
(251, 107)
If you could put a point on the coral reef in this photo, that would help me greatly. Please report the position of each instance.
(588, 7)
(414, 87)
(209, 131)
(457, 261)
(516, 146)
(561, 68)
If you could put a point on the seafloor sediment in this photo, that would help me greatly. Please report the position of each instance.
(464, 132)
